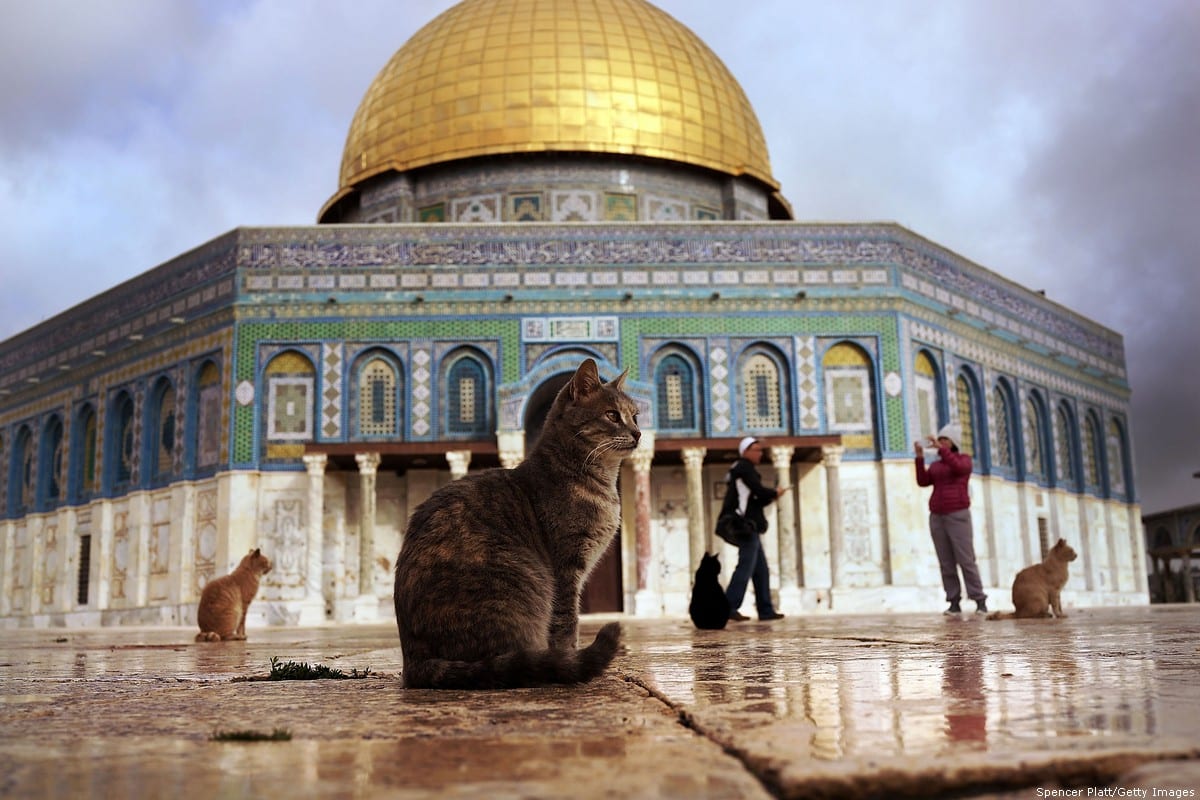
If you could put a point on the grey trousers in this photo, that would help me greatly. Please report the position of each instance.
(953, 539)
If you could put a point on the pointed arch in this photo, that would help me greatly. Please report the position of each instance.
(1093, 454)
(1066, 445)
(288, 408)
(677, 405)
(50, 461)
(850, 407)
(205, 446)
(21, 478)
(762, 390)
(468, 408)
(1004, 427)
(971, 415)
(928, 394)
(1117, 461)
(84, 471)
(120, 454)
(1036, 438)
(376, 407)
(162, 431)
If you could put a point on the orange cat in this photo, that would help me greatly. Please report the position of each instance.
(225, 600)
(1037, 590)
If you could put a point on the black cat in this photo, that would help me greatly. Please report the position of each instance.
(709, 608)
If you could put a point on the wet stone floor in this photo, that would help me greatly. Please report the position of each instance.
(1103, 703)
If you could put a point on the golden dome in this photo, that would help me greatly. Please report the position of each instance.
(519, 76)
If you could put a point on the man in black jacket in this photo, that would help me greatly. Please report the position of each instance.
(749, 497)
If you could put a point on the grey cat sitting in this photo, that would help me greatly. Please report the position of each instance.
(489, 575)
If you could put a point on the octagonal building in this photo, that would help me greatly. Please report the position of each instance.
(525, 184)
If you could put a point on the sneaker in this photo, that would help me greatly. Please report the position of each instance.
(953, 609)
(737, 616)
(774, 615)
(981, 606)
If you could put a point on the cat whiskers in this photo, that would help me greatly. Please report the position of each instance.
(604, 448)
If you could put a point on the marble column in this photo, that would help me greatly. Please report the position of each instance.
(8, 565)
(831, 457)
(366, 607)
(785, 521)
(693, 464)
(66, 584)
(312, 607)
(140, 529)
(183, 588)
(646, 603)
(512, 448)
(459, 461)
(103, 565)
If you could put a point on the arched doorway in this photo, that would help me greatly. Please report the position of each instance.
(603, 591)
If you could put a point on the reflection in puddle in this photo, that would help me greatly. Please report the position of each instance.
(974, 687)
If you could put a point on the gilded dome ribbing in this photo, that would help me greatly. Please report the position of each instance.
(491, 77)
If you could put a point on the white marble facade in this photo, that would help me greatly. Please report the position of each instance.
(150, 553)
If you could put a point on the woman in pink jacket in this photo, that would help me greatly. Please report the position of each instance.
(950, 516)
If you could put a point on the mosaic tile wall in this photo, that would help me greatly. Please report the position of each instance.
(519, 292)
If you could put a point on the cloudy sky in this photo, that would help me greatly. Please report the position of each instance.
(1057, 144)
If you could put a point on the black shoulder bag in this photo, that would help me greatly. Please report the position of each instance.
(732, 525)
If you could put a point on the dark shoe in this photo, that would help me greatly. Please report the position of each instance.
(981, 606)
(774, 615)
(737, 616)
(953, 609)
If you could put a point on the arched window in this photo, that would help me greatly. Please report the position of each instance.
(1004, 426)
(675, 394)
(964, 402)
(849, 401)
(207, 388)
(1092, 457)
(928, 395)
(119, 447)
(1035, 440)
(161, 429)
(1117, 478)
(83, 454)
(50, 461)
(377, 398)
(466, 397)
(1064, 447)
(762, 407)
(288, 409)
(20, 473)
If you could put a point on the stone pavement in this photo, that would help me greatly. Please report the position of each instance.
(808, 707)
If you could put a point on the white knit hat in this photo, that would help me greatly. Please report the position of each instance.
(744, 444)
(953, 432)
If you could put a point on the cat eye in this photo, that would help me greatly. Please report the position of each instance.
(614, 416)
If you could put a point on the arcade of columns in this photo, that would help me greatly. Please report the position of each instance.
(366, 606)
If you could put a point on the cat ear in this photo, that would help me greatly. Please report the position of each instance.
(618, 382)
(586, 380)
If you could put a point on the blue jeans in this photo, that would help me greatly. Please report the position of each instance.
(751, 565)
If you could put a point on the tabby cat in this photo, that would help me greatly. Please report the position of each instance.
(1037, 590)
(709, 608)
(225, 600)
(489, 575)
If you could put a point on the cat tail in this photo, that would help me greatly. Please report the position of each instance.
(519, 669)
(1002, 615)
